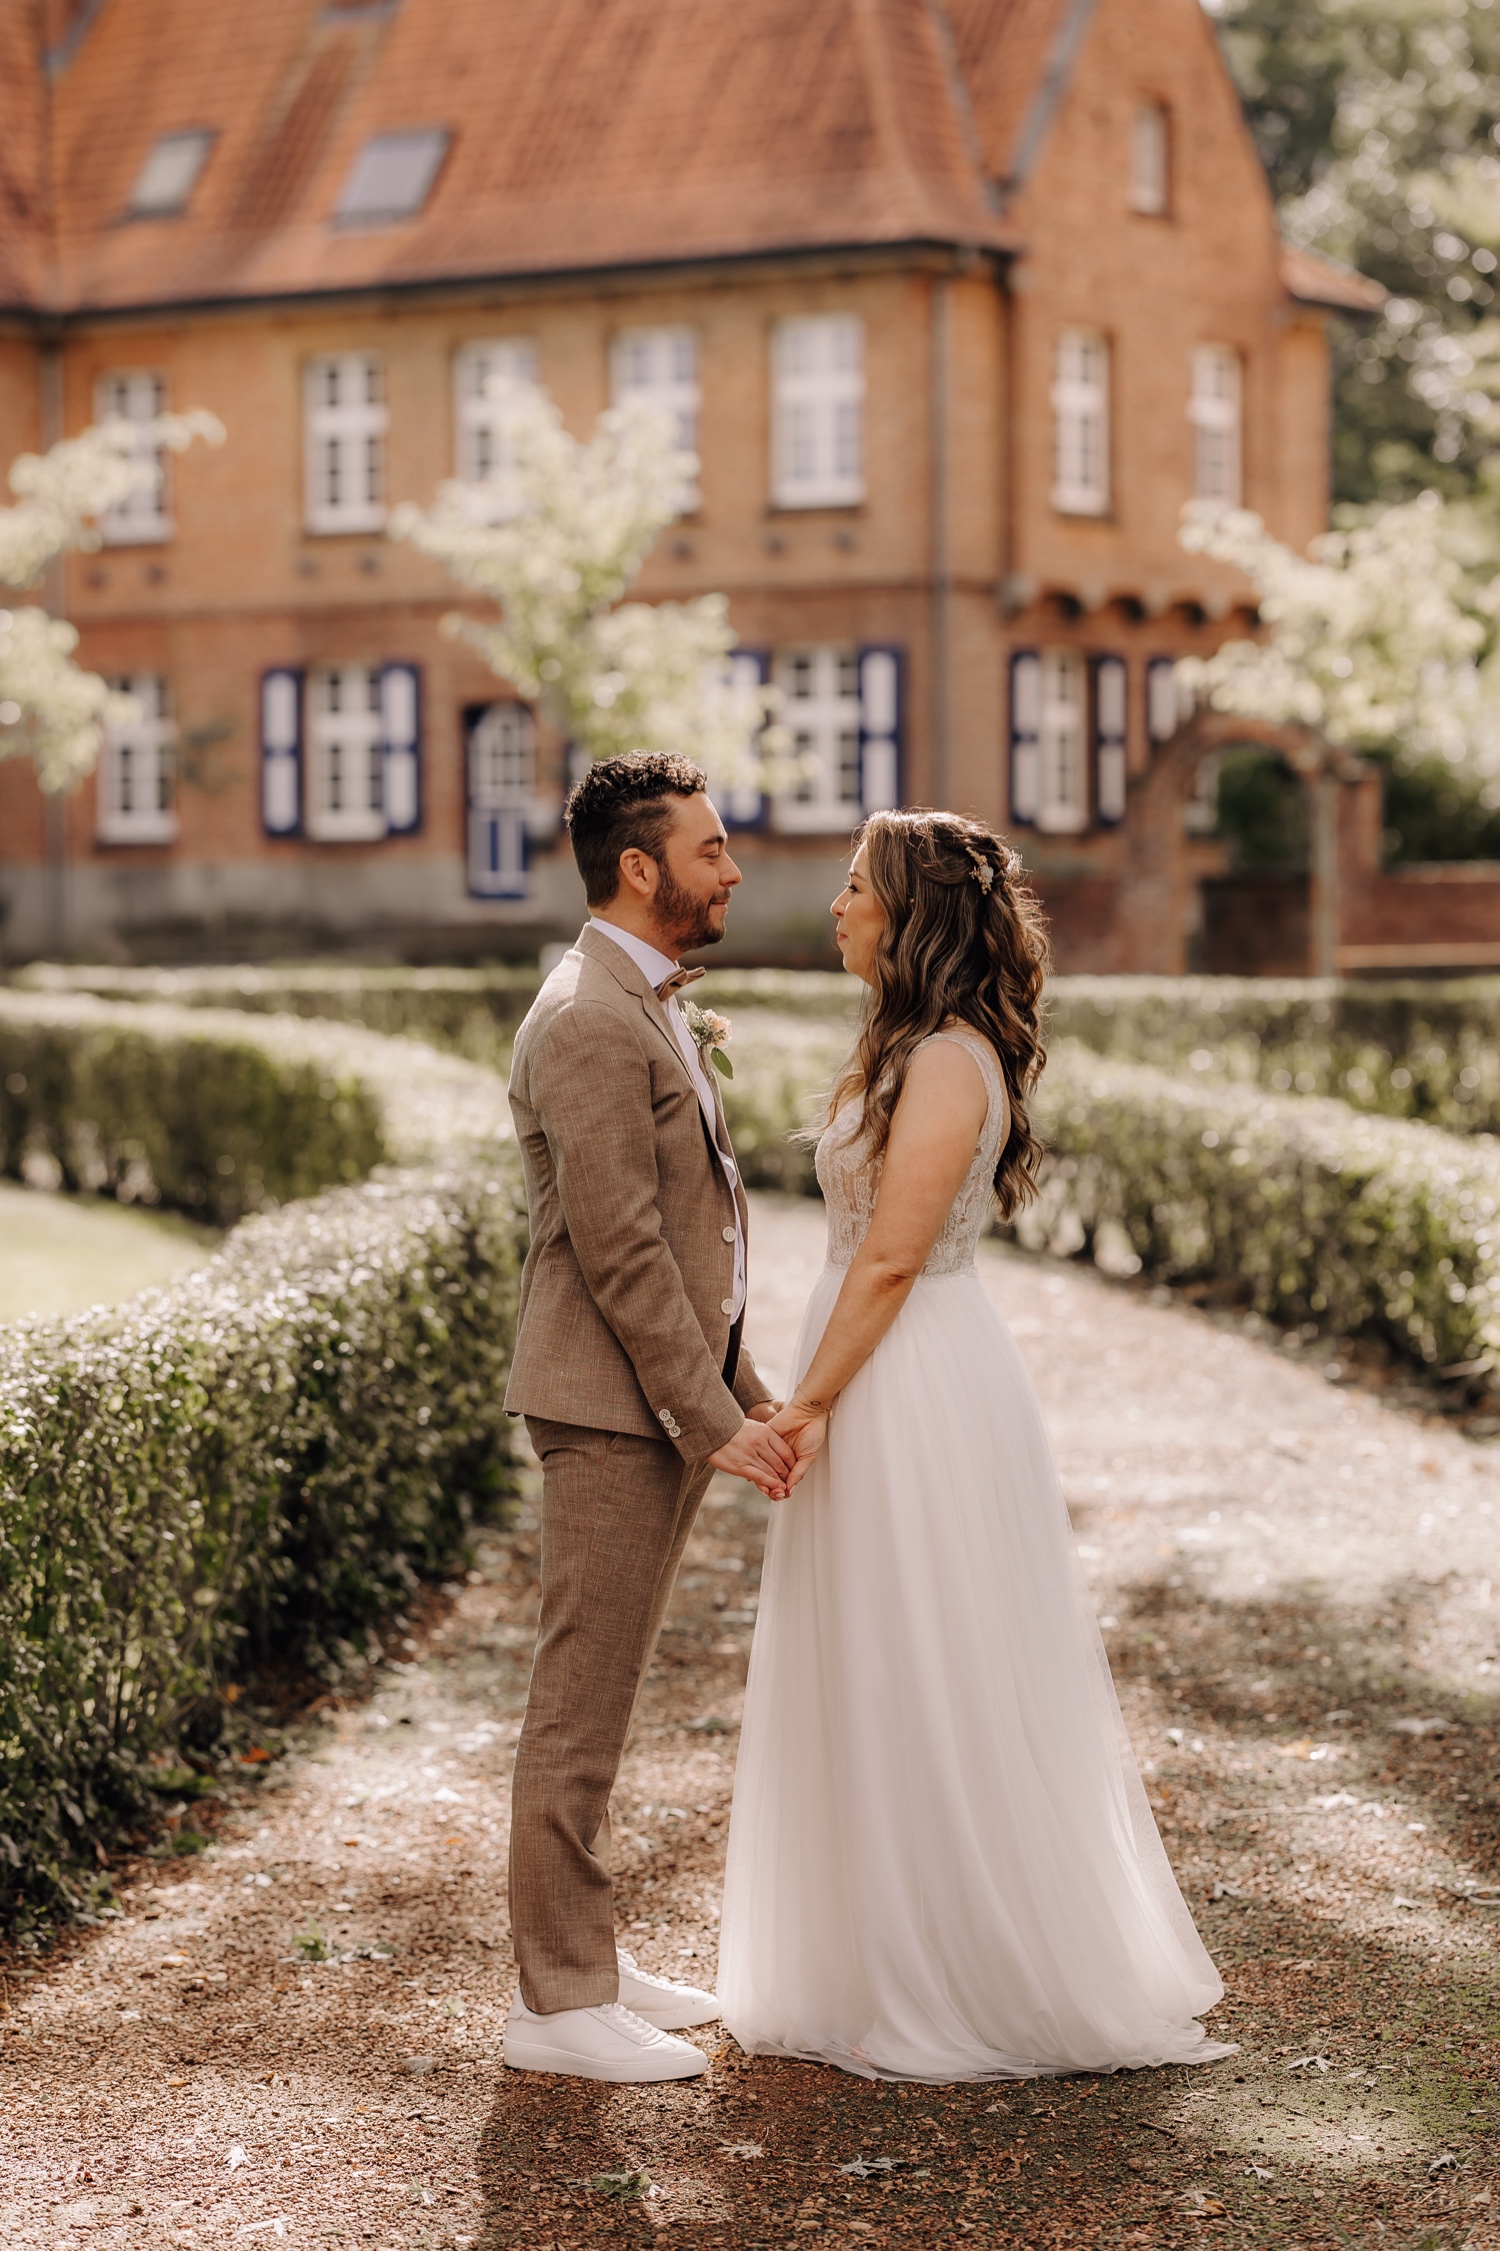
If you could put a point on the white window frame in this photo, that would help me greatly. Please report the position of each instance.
(1080, 423)
(134, 802)
(504, 808)
(817, 417)
(136, 395)
(1151, 160)
(344, 442)
(344, 791)
(659, 366)
(1216, 411)
(487, 373)
(821, 709)
(1063, 743)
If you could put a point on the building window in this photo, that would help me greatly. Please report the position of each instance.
(486, 378)
(165, 182)
(345, 781)
(1080, 423)
(821, 710)
(503, 805)
(1151, 160)
(345, 442)
(660, 367)
(136, 396)
(1215, 411)
(1167, 705)
(818, 379)
(136, 768)
(1111, 745)
(391, 178)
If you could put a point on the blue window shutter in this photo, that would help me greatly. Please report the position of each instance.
(401, 747)
(281, 752)
(1111, 683)
(498, 852)
(1025, 735)
(1162, 704)
(881, 750)
(746, 806)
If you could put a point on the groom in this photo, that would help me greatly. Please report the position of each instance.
(630, 1372)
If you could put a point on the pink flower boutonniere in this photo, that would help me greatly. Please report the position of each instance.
(710, 1035)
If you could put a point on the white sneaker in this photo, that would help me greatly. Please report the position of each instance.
(670, 2007)
(609, 2042)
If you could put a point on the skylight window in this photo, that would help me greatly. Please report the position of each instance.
(165, 182)
(392, 176)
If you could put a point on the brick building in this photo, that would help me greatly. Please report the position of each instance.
(960, 301)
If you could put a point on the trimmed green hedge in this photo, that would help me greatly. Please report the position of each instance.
(1424, 1051)
(263, 1456)
(1417, 1050)
(1312, 1211)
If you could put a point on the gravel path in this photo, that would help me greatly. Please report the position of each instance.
(1286, 1570)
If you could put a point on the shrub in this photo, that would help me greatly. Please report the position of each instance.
(1308, 1209)
(1427, 1051)
(264, 1455)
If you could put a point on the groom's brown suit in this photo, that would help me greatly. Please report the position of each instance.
(627, 1375)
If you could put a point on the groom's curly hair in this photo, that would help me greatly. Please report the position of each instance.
(624, 803)
(964, 940)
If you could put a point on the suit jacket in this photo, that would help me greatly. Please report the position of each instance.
(627, 1288)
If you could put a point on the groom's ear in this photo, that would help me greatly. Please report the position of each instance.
(639, 873)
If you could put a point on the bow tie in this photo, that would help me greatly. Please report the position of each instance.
(674, 983)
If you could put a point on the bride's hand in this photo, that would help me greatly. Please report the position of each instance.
(804, 1428)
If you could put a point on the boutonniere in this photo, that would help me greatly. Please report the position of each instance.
(711, 1033)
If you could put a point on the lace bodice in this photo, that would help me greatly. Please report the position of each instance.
(850, 1182)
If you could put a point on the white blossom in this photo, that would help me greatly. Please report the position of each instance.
(1383, 635)
(556, 551)
(50, 708)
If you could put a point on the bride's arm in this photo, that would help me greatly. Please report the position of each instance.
(934, 1133)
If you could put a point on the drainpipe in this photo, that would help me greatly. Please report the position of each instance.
(55, 913)
(1325, 883)
(940, 356)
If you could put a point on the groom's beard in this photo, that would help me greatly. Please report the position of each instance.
(692, 922)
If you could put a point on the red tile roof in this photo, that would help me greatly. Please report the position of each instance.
(1321, 281)
(587, 133)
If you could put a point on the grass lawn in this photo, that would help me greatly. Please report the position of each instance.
(59, 1254)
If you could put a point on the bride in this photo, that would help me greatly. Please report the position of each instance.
(942, 1864)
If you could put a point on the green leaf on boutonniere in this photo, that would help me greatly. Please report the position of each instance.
(721, 1062)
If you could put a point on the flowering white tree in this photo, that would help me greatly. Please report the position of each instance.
(1383, 636)
(555, 540)
(50, 708)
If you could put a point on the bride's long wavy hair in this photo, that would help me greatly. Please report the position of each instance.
(964, 939)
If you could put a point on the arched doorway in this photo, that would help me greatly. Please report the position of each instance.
(1174, 820)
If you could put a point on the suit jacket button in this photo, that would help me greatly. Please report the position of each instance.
(729, 1234)
(726, 1305)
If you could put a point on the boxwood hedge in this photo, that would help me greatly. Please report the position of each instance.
(1415, 1050)
(262, 1456)
(1312, 1211)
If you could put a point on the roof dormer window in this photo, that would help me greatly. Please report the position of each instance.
(1151, 160)
(392, 176)
(165, 182)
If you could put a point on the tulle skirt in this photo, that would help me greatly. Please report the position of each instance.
(942, 1863)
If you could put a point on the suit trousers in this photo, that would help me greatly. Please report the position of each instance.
(616, 1514)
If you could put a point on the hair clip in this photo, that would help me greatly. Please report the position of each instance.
(984, 870)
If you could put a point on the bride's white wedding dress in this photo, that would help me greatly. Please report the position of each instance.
(942, 1864)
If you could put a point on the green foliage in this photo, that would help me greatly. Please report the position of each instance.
(263, 1457)
(1433, 812)
(470, 1012)
(158, 1108)
(1308, 1210)
(1377, 120)
(1263, 811)
(1421, 1051)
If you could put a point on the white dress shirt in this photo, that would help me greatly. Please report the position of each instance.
(656, 967)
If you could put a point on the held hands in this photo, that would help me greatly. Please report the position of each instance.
(803, 1429)
(759, 1455)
